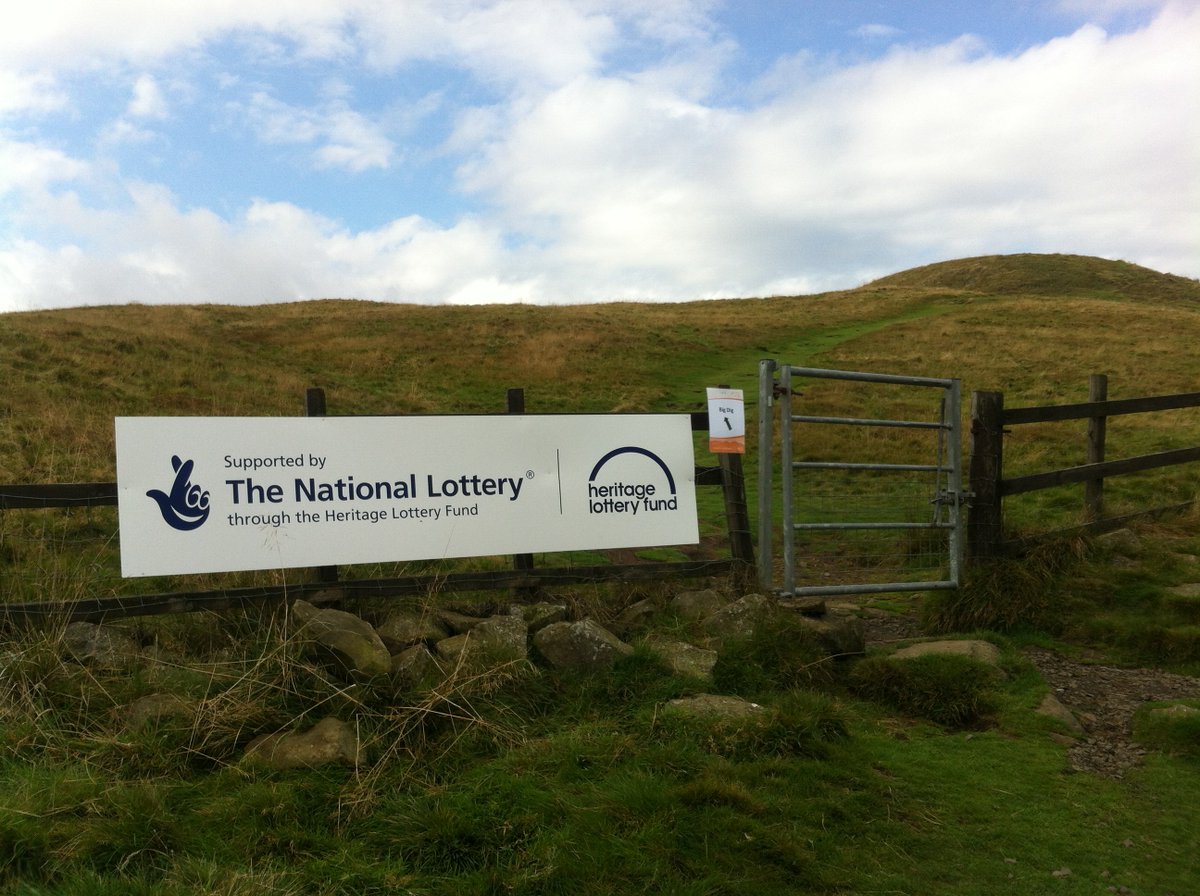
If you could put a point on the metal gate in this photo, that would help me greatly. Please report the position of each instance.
(870, 481)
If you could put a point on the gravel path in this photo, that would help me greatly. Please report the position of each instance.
(1103, 698)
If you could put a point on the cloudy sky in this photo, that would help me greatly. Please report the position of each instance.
(558, 151)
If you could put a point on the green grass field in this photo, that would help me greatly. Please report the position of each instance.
(559, 784)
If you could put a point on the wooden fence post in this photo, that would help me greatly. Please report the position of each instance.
(737, 515)
(314, 406)
(1093, 489)
(521, 562)
(985, 523)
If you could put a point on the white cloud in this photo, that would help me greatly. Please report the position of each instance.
(926, 153)
(527, 43)
(1105, 10)
(29, 93)
(28, 168)
(353, 143)
(345, 138)
(156, 252)
(70, 34)
(593, 183)
(876, 31)
(148, 100)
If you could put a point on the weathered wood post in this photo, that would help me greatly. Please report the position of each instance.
(985, 522)
(521, 562)
(737, 515)
(1093, 489)
(314, 406)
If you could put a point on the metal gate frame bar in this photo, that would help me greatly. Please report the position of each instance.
(951, 495)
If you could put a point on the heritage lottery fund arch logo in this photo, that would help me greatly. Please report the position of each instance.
(223, 494)
(638, 489)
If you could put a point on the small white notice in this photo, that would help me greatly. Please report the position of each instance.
(218, 494)
(726, 421)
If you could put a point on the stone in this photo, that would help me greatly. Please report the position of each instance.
(458, 623)
(347, 643)
(538, 616)
(635, 617)
(328, 742)
(415, 668)
(495, 641)
(739, 620)
(695, 606)
(1175, 711)
(450, 650)
(409, 627)
(982, 651)
(1120, 540)
(99, 646)
(716, 707)
(584, 645)
(686, 659)
(807, 606)
(155, 709)
(1053, 708)
(841, 636)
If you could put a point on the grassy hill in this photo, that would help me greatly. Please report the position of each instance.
(531, 784)
(1047, 275)
(1028, 325)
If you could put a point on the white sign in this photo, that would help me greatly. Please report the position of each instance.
(726, 421)
(217, 494)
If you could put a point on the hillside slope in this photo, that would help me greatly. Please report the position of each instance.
(1047, 275)
(987, 321)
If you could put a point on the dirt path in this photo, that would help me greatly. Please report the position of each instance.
(1103, 698)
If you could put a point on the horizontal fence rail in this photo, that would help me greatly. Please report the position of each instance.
(526, 579)
(99, 609)
(1087, 472)
(79, 494)
(989, 420)
(1086, 410)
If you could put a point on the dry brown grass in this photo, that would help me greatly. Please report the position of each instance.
(70, 372)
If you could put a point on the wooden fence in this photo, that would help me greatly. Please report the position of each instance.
(328, 585)
(989, 419)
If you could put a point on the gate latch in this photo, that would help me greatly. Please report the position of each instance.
(948, 498)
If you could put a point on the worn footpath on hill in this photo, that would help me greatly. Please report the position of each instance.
(1103, 698)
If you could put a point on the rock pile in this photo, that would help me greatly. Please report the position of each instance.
(417, 652)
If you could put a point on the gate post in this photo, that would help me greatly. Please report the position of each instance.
(766, 470)
(985, 521)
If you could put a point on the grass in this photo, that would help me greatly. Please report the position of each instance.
(954, 691)
(1007, 594)
(1172, 728)
(597, 791)
(857, 780)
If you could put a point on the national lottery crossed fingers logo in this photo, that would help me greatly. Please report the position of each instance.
(186, 506)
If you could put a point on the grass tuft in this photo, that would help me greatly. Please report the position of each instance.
(1172, 728)
(783, 653)
(801, 723)
(1006, 594)
(950, 690)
